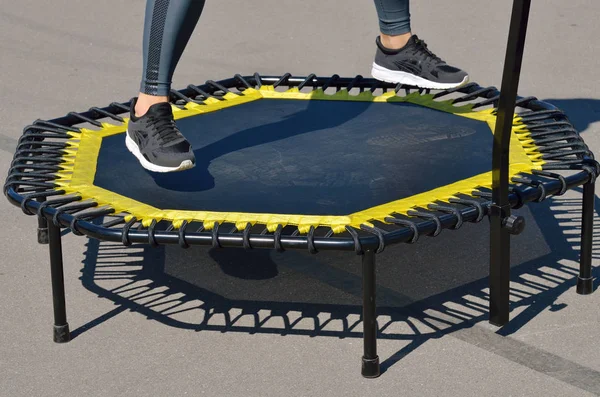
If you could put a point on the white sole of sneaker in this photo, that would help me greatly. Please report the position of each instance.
(398, 77)
(133, 148)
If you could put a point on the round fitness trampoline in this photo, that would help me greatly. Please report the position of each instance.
(308, 163)
(300, 159)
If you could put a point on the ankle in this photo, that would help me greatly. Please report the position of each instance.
(144, 102)
(395, 42)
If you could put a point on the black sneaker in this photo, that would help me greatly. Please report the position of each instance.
(157, 142)
(415, 65)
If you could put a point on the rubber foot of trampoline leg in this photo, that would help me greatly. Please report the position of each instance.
(370, 367)
(585, 286)
(62, 333)
(42, 235)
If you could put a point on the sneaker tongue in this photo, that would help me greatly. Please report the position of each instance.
(162, 109)
(414, 39)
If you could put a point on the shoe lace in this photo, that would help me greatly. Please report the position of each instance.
(421, 47)
(166, 132)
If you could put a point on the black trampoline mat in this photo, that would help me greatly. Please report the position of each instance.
(305, 157)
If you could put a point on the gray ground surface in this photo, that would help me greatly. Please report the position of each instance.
(63, 55)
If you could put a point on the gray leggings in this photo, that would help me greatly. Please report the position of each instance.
(169, 24)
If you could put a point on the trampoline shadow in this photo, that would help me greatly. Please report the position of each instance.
(295, 293)
(582, 112)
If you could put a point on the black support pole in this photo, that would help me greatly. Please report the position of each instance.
(61, 327)
(585, 281)
(500, 209)
(42, 231)
(370, 360)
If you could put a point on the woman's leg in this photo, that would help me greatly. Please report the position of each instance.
(405, 59)
(167, 29)
(152, 135)
(394, 22)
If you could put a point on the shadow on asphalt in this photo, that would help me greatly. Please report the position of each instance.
(426, 290)
(581, 111)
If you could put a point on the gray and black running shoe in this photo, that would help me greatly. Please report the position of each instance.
(157, 142)
(415, 65)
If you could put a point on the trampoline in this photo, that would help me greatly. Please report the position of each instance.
(314, 163)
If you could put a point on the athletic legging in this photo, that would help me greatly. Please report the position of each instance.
(169, 24)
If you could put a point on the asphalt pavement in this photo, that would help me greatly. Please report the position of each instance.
(157, 322)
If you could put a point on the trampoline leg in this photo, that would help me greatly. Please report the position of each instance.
(499, 271)
(42, 231)
(585, 281)
(61, 327)
(370, 360)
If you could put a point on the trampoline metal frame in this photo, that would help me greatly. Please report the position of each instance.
(79, 216)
